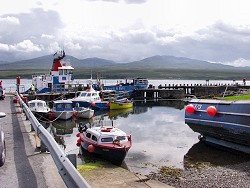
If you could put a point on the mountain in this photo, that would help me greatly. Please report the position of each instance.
(172, 62)
(45, 62)
(151, 63)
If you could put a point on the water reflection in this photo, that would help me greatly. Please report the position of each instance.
(159, 134)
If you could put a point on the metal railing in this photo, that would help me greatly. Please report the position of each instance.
(69, 174)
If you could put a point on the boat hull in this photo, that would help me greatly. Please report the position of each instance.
(93, 105)
(229, 122)
(120, 105)
(115, 155)
(86, 113)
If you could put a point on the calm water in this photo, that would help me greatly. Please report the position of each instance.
(160, 136)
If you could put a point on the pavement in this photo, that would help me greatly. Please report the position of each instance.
(27, 167)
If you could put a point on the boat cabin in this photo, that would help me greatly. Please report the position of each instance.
(105, 135)
(63, 105)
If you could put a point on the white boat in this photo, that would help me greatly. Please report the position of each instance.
(83, 112)
(63, 109)
(90, 98)
(111, 143)
(39, 108)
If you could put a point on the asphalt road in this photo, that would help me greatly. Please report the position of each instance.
(25, 166)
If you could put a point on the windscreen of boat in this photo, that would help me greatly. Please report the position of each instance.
(107, 139)
(83, 94)
(121, 138)
(31, 105)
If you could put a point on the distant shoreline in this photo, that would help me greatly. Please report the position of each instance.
(184, 74)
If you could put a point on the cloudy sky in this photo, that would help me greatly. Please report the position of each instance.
(127, 30)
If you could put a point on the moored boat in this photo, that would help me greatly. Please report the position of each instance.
(59, 79)
(121, 104)
(83, 112)
(224, 121)
(90, 98)
(63, 109)
(109, 142)
(39, 108)
(136, 83)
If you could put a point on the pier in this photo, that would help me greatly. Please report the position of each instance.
(185, 90)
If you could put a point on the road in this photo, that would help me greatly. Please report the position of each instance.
(25, 166)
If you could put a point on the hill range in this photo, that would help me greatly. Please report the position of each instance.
(151, 67)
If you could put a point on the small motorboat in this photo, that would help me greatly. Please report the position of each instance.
(107, 141)
(83, 112)
(90, 98)
(63, 109)
(39, 108)
(121, 104)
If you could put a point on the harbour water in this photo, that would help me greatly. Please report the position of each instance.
(160, 136)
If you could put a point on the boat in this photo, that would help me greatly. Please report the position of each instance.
(90, 98)
(82, 112)
(59, 79)
(126, 87)
(107, 141)
(220, 122)
(39, 108)
(121, 104)
(62, 109)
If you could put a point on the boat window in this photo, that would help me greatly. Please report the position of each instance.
(108, 139)
(68, 106)
(60, 72)
(89, 94)
(31, 105)
(88, 135)
(40, 104)
(83, 94)
(59, 106)
(94, 138)
(121, 138)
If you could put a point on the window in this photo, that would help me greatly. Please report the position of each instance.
(108, 139)
(94, 138)
(121, 138)
(88, 135)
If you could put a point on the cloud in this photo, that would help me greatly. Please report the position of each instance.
(9, 20)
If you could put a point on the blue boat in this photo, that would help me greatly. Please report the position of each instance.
(127, 87)
(90, 98)
(221, 122)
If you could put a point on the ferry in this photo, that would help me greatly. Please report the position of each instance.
(59, 79)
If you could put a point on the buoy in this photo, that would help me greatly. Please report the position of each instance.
(51, 115)
(211, 111)
(78, 135)
(108, 104)
(190, 109)
(91, 148)
(92, 104)
(78, 142)
(129, 137)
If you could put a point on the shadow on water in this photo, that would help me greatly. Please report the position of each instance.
(217, 156)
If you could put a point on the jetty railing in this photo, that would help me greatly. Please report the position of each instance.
(69, 174)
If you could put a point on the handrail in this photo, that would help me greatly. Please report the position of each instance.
(69, 174)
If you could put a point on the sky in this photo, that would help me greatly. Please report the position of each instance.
(127, 30)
